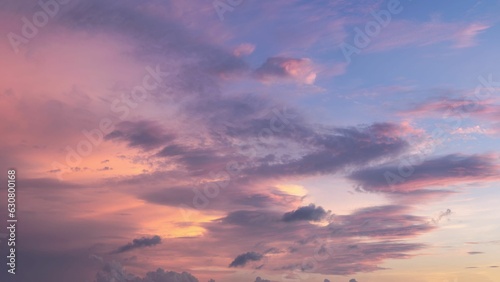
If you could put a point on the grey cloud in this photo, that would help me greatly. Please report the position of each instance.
(114, 272)
(383, 221)
(172, 150)
(475, 253)
(242, 259)
(345, 253)
(47, 184)
(143, 134)
(42, 265)
(197, 160)
(139, 243)
(436, 171)
(250, 218)
(106, 168)
(334, 149)
(347, 259)
(197, 197)
(441, 215)
(417, 196)
(151, 35)
(307, 213)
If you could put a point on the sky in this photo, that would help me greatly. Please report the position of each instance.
(236, 140)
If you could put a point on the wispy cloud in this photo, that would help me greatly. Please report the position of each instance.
(402, 33)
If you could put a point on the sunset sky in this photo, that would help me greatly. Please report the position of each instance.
(242, 141)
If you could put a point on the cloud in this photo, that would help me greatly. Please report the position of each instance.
(353, 280)
(473, 130)
(196, 159)
(467, 36)
(242, 259)
(106, 168)
(319, 151)
(440, 171)
(475, 253)
(351, 243)
(139, 243)
(441, 216)
(276, 68)
(48, 184)
(457, 111)
(484, 242)
(445, 106)
(329, 151)
(460, 35)
(195, 197)
(307, 213)
(258, 279)
(114, 272)
(358, 257)
(250, 218)
(244, 49)
(390, 221)
(143, 134)
(418, 196)
(151, 34)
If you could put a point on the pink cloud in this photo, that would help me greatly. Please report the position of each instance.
(472, 130)
(467, 36)
(482, 111)
(244, 49)
(402, 33)
(277, 68)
